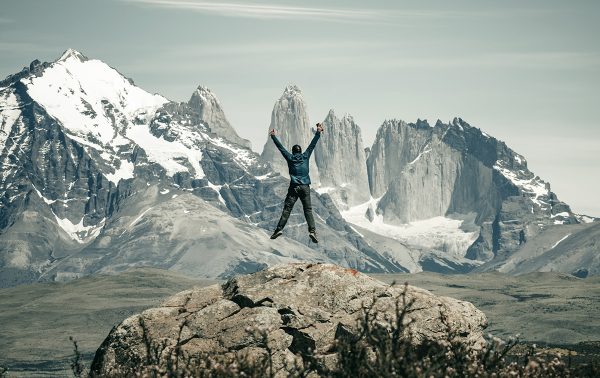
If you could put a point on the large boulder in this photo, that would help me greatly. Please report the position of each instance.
(294, 312)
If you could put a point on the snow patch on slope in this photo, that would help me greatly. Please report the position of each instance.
(244, 157)
(426, 149)
(521, 257)
(585, 218)
(560, 241)
(325, 189)
(170, 155)
(9, 113)
(79, 232)
(534, 187)
(265, 176)
(139, 217)
(48, 201)
(123, 172)
(217, 189)
(438, 233)
(186, 148)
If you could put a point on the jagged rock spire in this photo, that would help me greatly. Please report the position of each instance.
(205, 102)
(290, 120)
(340, 157)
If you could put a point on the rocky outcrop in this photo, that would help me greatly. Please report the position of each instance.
(207, 105)
(290, 120)
(340, 157)
(294, 311)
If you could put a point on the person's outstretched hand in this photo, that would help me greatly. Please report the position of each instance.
(319, 127)
(272, 132)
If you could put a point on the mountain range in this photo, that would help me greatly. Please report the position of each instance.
(98, 175)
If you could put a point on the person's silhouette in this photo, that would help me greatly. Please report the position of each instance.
(299, 183)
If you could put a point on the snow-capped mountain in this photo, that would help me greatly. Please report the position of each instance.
(88, 158)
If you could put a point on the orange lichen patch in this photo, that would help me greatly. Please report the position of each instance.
(333, 268)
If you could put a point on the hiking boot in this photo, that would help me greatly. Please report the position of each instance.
(276, 234)
(313, 236)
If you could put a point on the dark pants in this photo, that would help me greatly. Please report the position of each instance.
(295, 192)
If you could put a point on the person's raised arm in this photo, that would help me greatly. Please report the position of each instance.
(315, 139)
(280, 147)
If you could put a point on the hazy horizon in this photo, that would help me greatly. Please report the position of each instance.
(525, 73)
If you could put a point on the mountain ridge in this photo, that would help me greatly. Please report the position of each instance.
(81, 155)
(84, 163)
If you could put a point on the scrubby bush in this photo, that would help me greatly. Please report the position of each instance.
(77, 365)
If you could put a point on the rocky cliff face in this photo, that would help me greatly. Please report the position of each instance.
(302, 309)
(207, 105)
(430, 177)
(340, 157)
(454, 169)
(290, 119)
(396, 145)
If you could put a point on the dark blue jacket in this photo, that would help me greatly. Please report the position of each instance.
(298, 163)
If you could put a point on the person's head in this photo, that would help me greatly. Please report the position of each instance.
(296, 149)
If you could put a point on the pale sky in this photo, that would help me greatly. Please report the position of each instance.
(526, 72)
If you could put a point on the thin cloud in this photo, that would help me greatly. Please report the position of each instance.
(14, 47)
(286, 55)
(507, 60)
(265, 11)
(258, 48)
(352, 55)
(517, 60)
(275, 11)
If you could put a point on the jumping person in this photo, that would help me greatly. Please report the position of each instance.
(299, 183)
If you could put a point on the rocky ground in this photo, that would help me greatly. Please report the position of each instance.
(37, 320)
